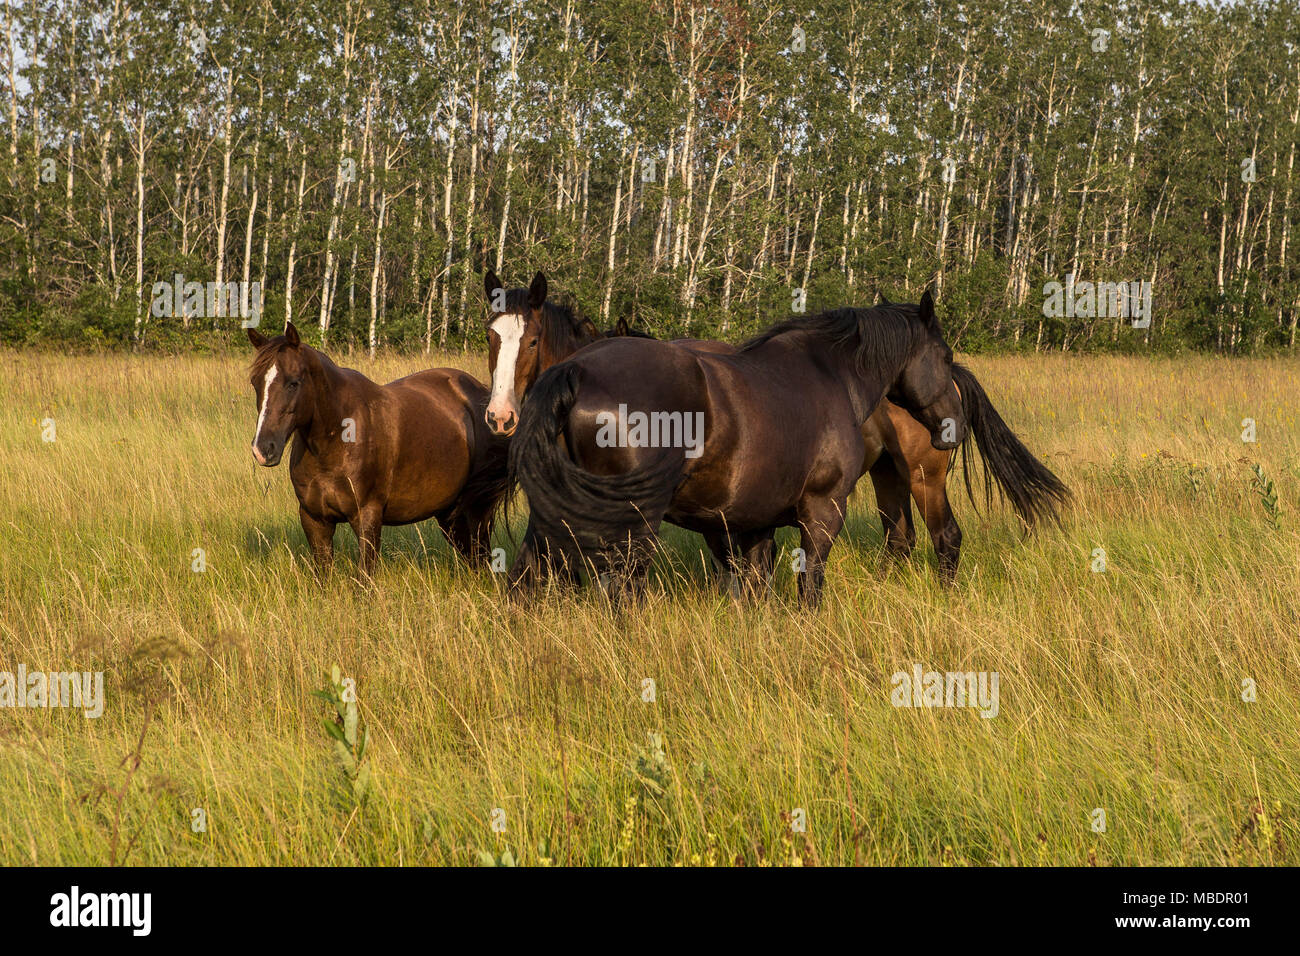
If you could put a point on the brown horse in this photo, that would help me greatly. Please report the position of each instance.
(898, 454)
(901, 461)
(375, 455)
(526, 335)
(782, 415)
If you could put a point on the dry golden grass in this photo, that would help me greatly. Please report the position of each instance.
(1119, 690)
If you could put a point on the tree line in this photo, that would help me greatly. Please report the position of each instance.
(700, 168)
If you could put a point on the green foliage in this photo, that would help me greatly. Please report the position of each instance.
(350, 737)
(775, 169)
(486, 858)
(1263, 486)
(651, 769)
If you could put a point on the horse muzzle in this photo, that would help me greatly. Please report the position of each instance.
(502, 426)
(949, 435)
(267, 453)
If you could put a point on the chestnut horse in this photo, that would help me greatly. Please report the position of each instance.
(375, 455)
(526, 335)
(898, 455)
(782, 416)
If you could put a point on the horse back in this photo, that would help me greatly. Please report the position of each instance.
(705, 345)
(433, 422)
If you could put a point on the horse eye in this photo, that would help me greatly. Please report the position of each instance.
(533, 344)
(292, 384)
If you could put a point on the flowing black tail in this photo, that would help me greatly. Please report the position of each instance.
(1022, 479)
(591, 520)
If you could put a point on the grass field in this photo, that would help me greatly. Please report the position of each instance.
(1120, 691)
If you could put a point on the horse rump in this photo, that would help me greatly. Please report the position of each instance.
(605, 523)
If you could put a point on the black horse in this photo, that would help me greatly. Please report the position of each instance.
(733, 444)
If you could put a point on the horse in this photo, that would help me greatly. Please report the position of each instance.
(375, 455)
(783, 414)
(622, 329)
(526, 334)
(901, 462)
(898, 458)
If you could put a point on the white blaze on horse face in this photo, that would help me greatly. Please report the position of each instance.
(503, 403)
(261, 416)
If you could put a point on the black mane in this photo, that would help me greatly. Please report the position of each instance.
(881, 331)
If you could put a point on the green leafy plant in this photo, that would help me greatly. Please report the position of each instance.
(1267, 491)
(350, 737)
(652, 770)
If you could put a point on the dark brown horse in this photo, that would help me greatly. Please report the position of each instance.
(898, 455)
(901, 461)
(777, 438)
(375, 455)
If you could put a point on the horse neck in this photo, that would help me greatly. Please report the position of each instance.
(327, 399)
(866, 386)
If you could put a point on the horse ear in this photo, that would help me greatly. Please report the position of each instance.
(291, 334)
(256, 337)
(491, 283)
(882, 299)
(537, 291)
(622, 327)
(927, 311)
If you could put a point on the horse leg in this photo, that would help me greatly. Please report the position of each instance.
(636, 578)
(468, 534)
(722, 547)
(820, 521)
(480, 548)
(894, 507)
(537, 562)
(320, 538)
(757, 560)
(930, 489)
(627, 569)
(526, 571)
(368, 526)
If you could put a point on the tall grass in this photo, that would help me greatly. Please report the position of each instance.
(1120, 691)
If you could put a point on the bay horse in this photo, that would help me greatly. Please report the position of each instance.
(526, 334)
(902, 462)
(783, 416)
(375, 455)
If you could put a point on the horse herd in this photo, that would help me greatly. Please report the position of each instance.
(790, 420)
